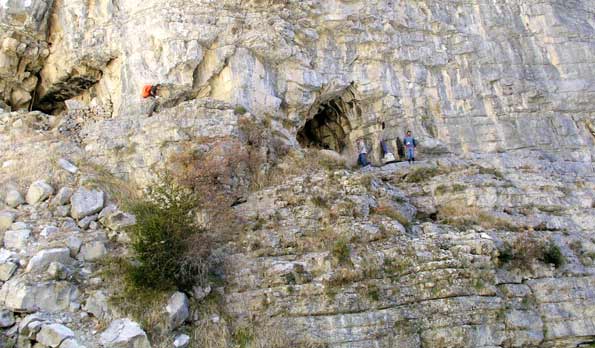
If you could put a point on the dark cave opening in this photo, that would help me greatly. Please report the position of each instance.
(328, 129)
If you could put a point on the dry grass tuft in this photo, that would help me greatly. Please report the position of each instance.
(460, 215)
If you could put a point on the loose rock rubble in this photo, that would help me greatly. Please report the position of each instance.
(44, 270)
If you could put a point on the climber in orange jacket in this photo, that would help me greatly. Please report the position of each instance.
(150, 91)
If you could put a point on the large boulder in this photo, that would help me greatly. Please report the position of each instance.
(55, 296)
(177, 309)
(124, 333)
(43, 258)
(38, 192)
(53, 335)
(16, 239)
(85, 202)
(14, 198)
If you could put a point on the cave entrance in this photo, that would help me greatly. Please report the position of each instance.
(328, 129)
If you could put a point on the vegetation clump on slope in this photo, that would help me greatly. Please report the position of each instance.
(165, 239)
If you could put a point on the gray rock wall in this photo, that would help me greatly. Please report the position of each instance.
(476, 76)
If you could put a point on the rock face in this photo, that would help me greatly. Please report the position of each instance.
(474, 82)
(487, 242)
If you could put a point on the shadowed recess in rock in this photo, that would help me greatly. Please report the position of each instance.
(328, 129)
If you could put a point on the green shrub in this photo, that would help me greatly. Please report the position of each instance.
(552, 254)
(169, 250)
(423, 174)
(341, 251)
(239, 110)
(490, 171)
(522, 251)
(373, 292)
(243, 336)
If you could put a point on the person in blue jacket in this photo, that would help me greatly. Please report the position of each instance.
(410, 145)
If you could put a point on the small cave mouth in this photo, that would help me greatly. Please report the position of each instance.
(328, 129)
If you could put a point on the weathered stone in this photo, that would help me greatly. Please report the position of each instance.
(74, 245)
(86, 221)
(7, 270)
(20, 226)
(181, 341)
(48, 231)
(18, 295)
(93, 251)
(30, 325)
(52, 335)
(6, 219)
(6, 318)
(124, 333)
(8, 256)
(97, 304)
(14, 198)
(177, 309)
(70, 343)
(85, 202)
(56, 270)
(62, 197)
(16, 239)
(62, 211)
(115, 219)
(43, 258)
(67, 166)
(38, 192)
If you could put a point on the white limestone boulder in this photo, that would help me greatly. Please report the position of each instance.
(38, 192)
(181, 341)
(6, 219)
(177, 309)
(7, 270)
(62, 197)
(85, 202)
(92, 251)
(67, 166)
(43, 258)
(124, 333)
(16, 239)
(52, 335)
(114, 219)
(14, 198)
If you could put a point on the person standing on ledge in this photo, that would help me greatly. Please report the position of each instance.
(387, 155)
(410, 145)
(363, 153)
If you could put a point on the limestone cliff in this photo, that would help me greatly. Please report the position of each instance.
(487, 243)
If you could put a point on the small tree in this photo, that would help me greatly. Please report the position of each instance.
(162, 237)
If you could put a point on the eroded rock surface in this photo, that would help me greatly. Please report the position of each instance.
(487, 242)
